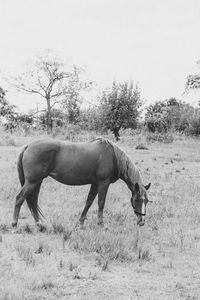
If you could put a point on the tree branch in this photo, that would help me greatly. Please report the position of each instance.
(30, 91)
(41, 85)
(55, 102)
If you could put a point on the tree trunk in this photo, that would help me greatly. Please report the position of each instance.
(49, 118)
(116, 133)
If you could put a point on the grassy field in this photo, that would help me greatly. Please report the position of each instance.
(158, 261)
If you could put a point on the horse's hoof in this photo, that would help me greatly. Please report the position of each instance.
(14, 224)
(14, 227)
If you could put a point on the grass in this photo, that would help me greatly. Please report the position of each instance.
(26, 255)
(65, 262)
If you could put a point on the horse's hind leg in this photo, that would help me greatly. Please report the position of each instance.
(32, 201)
(102, 192)
(25, 191)
(91, 196)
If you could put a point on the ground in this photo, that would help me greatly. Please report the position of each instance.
(158, 261)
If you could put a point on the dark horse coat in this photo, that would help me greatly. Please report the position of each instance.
(98, 162)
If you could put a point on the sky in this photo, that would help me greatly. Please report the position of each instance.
(154, 43)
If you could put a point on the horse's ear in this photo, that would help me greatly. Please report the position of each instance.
(147, 186)
(137, 188)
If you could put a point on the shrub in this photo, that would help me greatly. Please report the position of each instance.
(194, 125)
(141, 147)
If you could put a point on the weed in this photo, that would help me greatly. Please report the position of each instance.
(102, 262)
(58, 228)
(77, 275)
(41, 228)
(43, 249)
(72, 266)
(26, 255)
(47, 285)
(28, 229)
(141, 147)
(61, 264)
(66, 235)
(144, 254)
(4, 228)
(25, 229)
(93, 276)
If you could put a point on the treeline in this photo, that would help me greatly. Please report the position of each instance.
(119, 106)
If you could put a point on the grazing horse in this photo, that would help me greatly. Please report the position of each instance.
(98, 162)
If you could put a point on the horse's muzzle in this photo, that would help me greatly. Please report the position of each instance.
(140, 220)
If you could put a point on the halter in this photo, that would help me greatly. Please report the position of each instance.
(138, 213)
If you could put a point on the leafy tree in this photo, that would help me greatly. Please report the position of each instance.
(73, 99)
(163, 115)
(6, 109)
(120, 107)
(193, 81)
(46, 76)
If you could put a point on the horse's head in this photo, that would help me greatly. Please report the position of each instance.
(139, 201)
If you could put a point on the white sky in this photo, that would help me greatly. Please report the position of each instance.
(152, 42)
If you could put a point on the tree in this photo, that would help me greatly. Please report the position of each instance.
(172, 114)
(6, 109)
(163, 115)
(193, 81)
(72, 100)
(46, 77)
(120, 107)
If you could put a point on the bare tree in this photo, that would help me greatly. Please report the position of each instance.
(46, 77)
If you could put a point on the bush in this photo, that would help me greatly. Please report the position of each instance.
(194, 125)
(141, 147)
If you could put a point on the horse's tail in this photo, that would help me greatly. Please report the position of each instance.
(20, 167)
(32, 198)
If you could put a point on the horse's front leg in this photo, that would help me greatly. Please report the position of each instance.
(91, 196)
(102, 192)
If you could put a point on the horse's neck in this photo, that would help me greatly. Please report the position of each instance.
(126, 169)
(131, 175)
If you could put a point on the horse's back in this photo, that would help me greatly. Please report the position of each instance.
(69, 163)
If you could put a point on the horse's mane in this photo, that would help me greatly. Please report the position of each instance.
(126, 169)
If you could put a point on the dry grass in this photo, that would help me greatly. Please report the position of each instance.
(159, 261)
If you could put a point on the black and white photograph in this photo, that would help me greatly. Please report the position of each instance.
(100, 150)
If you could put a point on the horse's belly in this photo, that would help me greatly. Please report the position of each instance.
(72, 179)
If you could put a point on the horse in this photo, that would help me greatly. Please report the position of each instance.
(98, 162)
